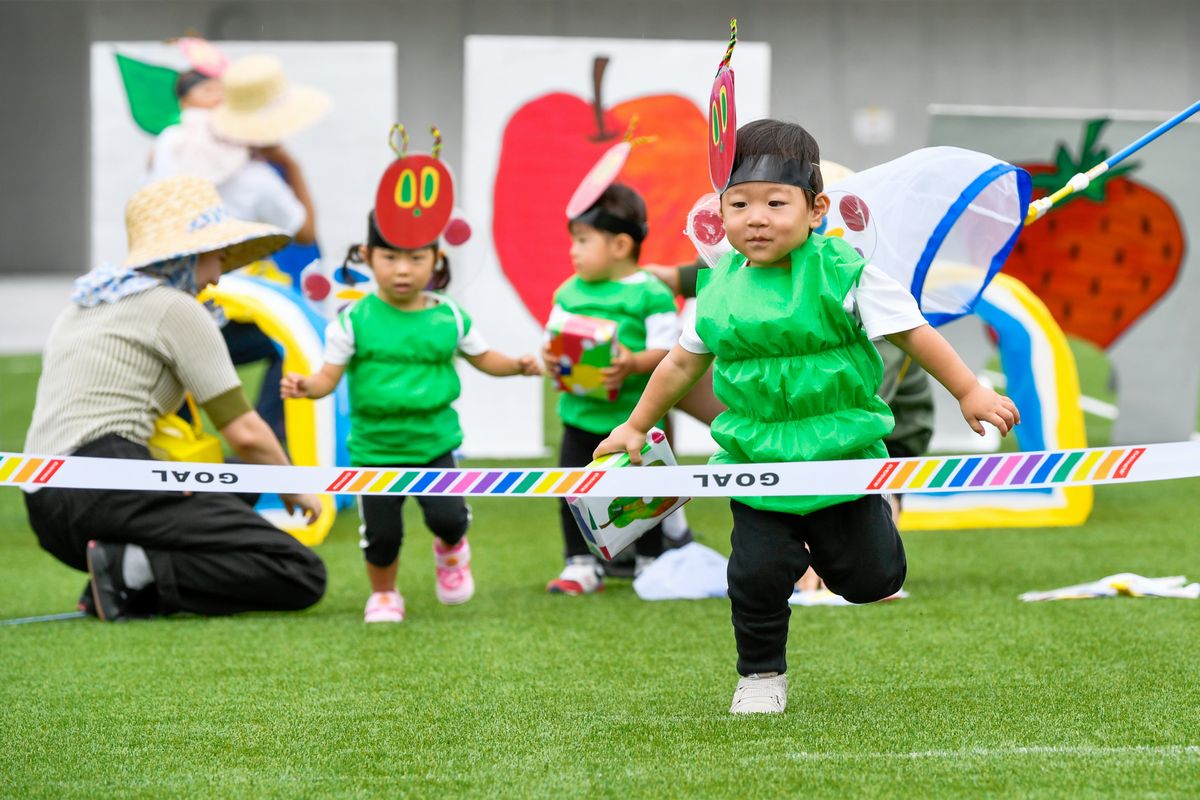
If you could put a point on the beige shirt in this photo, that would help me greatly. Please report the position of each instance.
(117, 367)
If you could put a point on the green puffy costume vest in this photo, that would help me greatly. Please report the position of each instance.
(627, 303)
(798, 373)
(402, 381)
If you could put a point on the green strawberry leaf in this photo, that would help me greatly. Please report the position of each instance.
(1067, 166)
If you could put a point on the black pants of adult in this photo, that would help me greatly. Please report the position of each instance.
(382, 529)
(576, 451)
(210, 552)
(853, 546)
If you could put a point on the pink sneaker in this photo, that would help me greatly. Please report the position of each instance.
(455, 584)
(384, 607)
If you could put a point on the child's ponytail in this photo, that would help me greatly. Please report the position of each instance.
(353, 256)
(441, 273)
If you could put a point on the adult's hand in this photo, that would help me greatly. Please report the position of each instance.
(308, 504)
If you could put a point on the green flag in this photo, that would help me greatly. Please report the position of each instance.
(151, 92)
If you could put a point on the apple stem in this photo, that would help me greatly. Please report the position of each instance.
(599, 65)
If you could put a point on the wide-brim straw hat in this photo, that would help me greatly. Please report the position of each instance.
(183, 216)
(261, 108)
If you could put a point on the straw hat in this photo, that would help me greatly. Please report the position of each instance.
(183, 216)
(260, 107)
(832, 172)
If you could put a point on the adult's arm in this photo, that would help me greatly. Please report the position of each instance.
(293, 176)
(255, 443)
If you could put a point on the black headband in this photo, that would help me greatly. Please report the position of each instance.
(187, 81)
(772, 169)
(601, 220)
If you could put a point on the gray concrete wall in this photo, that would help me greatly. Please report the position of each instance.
(828, 59)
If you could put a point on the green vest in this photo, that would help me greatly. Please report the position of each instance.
(402, 381)
(626, 303)
(798, 373)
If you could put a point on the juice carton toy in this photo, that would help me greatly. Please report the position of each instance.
(582, 346)
(610, 524)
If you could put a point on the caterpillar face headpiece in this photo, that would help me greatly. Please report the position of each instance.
(414, 204)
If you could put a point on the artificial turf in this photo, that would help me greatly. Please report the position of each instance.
(960, 690)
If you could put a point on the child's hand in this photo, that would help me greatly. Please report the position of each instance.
(293, 386)
(528, 365)
(622, 367)
(550, 361)
(624, 439)
(981, 405)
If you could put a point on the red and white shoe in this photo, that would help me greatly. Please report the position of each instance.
(455, 583)
(581, 575)
(384, 607)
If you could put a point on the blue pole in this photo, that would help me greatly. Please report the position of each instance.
(1129, 150)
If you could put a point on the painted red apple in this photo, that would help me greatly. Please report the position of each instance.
(552, 142)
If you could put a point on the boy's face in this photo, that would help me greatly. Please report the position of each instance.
(596, 253)
(767, 221)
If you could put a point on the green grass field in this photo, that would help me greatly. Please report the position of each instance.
(961, 690)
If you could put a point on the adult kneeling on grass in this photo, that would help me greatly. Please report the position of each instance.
(125, 351)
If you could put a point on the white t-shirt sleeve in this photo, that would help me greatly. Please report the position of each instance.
(257, 193)
(162, 155)
(662, 330)
(339, 341)
(882, 304)
(689, 340)
(472, 343)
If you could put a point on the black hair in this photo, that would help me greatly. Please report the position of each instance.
(623, 205)
(441, 270)
(189, 80)
(786, 139)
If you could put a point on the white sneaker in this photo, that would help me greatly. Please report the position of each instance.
(384, 607)
(640, 563)
(581, 575)
(759, 695)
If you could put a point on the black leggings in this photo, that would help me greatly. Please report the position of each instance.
(382, 529)
(576, 451)
(211, 553)
(853, 546)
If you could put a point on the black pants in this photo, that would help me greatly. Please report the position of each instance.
(576, 451)
(210, 552)
(854, 547)
(382, 529)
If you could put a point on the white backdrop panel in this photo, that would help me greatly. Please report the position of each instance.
(502, 73)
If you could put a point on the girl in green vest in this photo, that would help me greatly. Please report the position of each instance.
(786, 322)
(397, 348)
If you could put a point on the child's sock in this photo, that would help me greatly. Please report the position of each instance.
(135, 568)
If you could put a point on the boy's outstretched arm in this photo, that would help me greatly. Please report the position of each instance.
(315, 386)
(493, 362)
(978, 403)
(671, 380)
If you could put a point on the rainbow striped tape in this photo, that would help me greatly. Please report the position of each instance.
(1032, 470)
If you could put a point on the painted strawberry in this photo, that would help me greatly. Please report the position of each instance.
(1104, 256)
